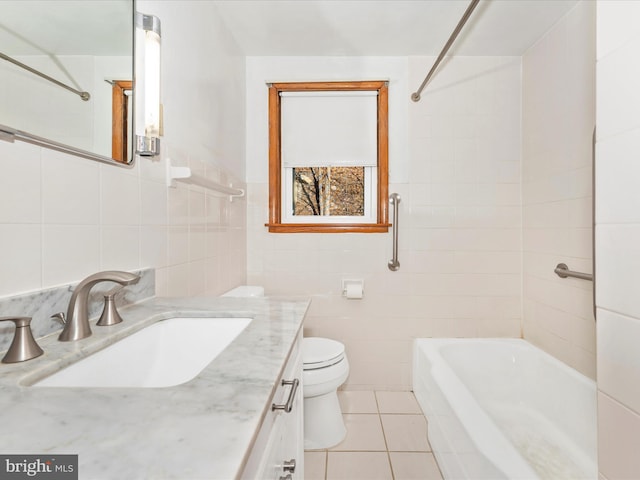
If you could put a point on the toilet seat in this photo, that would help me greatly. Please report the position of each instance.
(321, 352)
(325, 368)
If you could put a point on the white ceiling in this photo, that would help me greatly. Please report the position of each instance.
(387, 27)
(294, 27)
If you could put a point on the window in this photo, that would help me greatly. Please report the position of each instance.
(328, 157)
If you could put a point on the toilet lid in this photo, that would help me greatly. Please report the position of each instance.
(321, 352)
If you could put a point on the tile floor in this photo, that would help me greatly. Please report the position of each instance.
(386, 440)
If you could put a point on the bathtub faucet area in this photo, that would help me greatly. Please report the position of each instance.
(76, 322)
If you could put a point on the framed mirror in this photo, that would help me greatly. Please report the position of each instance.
(66, 73)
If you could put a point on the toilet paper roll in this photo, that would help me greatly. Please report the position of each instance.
(354, 291)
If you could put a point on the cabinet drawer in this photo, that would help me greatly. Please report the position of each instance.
(278, 450)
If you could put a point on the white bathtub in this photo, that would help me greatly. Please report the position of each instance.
(502, 408)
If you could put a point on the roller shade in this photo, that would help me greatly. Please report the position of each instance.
(329, 129)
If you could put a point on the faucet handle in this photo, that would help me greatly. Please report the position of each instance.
(110, 315)
(23, 346)
(61, 317)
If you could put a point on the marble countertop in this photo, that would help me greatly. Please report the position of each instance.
(202, 429)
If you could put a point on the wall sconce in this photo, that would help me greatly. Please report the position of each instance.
(147, 85)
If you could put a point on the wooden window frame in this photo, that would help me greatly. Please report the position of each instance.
(275, 164)
(119, 120)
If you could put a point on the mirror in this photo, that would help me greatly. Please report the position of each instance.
(86, 46)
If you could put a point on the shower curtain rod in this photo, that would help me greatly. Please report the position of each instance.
(83, 95)
(416, 95)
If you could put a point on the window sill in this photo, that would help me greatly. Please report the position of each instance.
(328, 227)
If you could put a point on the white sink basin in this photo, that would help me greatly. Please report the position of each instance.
(164, 354)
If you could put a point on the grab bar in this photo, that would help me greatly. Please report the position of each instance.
(593, 224)
(394, 264)
(563, 272)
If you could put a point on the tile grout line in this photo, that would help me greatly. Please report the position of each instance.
(388, 451)
(326, 464)
(384, 435)
(429, 441)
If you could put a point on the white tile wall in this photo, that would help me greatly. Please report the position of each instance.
(618, 439)
(63, 217)
(617, 262)
(618, 360)
(460, 225)
(617, 239)
(22, 257)
(70, 189)
(21, 200)
(618, 178)
(558, 120)
(616, 105)
(617, 23)
(119, 197)
(69, 253)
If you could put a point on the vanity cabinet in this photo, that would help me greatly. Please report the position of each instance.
(278, 452)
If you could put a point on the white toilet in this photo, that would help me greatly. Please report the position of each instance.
(325, 368)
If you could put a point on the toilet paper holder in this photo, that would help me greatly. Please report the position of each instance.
(353, 289)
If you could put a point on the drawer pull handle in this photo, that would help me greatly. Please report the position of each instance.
(287, 407)
(289, 466)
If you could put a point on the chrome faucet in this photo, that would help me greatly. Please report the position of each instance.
(76, 323)
(24, 346)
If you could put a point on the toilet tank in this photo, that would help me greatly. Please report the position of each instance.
(245, 291)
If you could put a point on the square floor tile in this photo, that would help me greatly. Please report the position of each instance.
(414, 466)
(391, 444)
(356, 401)
(315, 465)
(364, 432)
(358, 466)
(406, 433)
(398, 402)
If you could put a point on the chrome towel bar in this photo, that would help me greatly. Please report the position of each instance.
(394, 264)
(563, 272)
